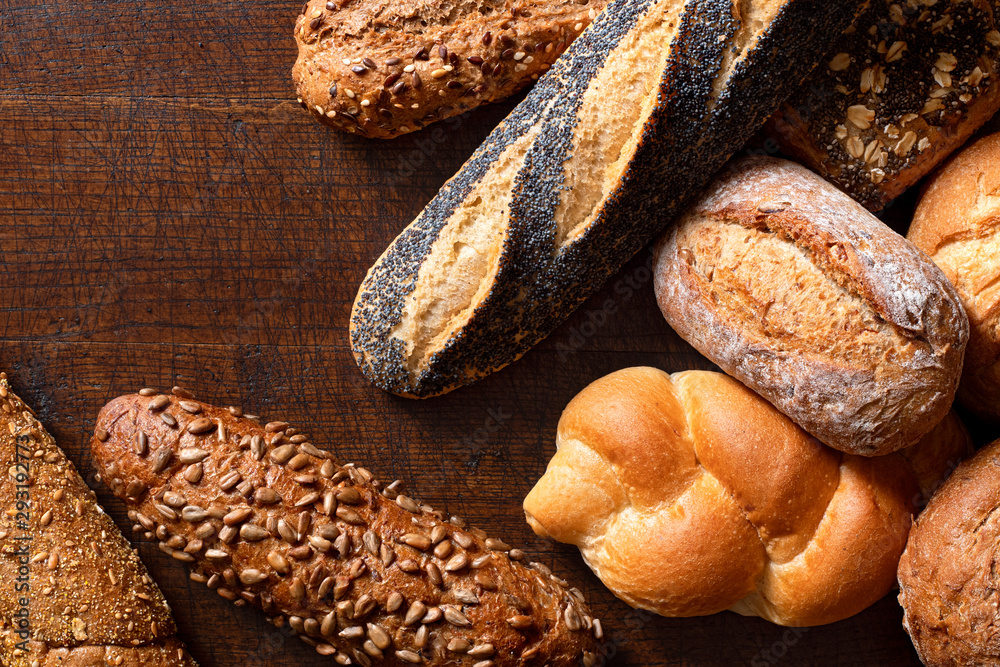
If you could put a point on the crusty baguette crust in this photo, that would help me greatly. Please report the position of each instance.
(551, 206)
(800, 293)
(947, 574)
(927, 73)
(381, 69)
(91, 601)
(358, 571)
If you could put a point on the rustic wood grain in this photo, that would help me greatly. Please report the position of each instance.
(170, 216)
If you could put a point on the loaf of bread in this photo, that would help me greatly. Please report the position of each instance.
(957, 224)
(800, 293)
(688, 494)
(948, 573)
(382, 69)
(358, 570)
(906, 85)
(637, 115)
(74, 593)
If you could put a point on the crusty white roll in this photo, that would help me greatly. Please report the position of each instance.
(957, 224)
(800, 293)
(689, 495)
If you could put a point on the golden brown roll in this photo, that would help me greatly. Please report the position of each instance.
(948, 574)
(957, 224)
(689, 495)
(74, 593)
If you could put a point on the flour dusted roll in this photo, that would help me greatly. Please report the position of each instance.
(638, 114)
(796, 290)
(688, 494)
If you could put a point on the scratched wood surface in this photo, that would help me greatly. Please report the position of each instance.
(168, 215)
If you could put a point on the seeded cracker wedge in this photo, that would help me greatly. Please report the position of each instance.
(72, 591)
(359, 571)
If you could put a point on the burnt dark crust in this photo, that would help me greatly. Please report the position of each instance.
(536, 286)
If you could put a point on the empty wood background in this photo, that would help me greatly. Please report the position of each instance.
(169, 215)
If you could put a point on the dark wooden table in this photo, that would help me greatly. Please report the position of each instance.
(171, 216)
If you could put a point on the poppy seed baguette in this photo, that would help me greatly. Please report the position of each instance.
(359, 571)
(89, 599)
(637, 115)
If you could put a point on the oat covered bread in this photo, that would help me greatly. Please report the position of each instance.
(603, 152)
(957, 223)
(948, 573)
(381, 69)
(688, 494)
(359, 571)
(909, 83)
(800, 293)
(74, 593)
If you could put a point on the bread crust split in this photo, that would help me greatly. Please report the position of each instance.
(88, 598)
(637, 115)
(381, 69)
(957, 223)
(800, 293)
(688, 495)
(356, 569)
(947, 575)
(905, 86)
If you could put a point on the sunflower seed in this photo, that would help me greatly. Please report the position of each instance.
(217, 555)
(455, 617)
(307, 499)
(343, 545)
(415, 612)
(165, 511)
(191, 455)
(141, 444)
(459, 645)
(168, 419)
(329, 625)
(275, 427)
(283, 453)
(287, 532)
(457, 562)
(278, 562)
(237, 516)
(193, 473)
(134, 489)
(433, 615)
(410, 657)
(297, 589)
(348, 515)
(496, 545)
(434, 574)
(257, 447)
(394, 602)
(349, 495)
(145, 391)
(298, 461)
(520, 622)
(327, 469)
(409, 566)
(266, 496)
(415, 540)
(250, 577)
(407, 504)
(463, 540)
(443, 549)
(200, 426)
(158, 403)
(465, 596)
(387, 555)
(325, 587)
(174, 499)
(353, 632)
(369, 648)
(161, 459)
(371, 542)
(320, 544)
(379, 636)
(251, 532)
(340, 587)
(572, 619)
(229, 480)
(193, 513)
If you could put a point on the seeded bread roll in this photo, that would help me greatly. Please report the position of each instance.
(957, 224)
(358, 570)
(797, 291)
(688, 494)
(382, 69)
(643, 108)
(74, 593)
(948, 573)
(909, 83)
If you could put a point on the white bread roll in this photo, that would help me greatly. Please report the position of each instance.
(689, 495)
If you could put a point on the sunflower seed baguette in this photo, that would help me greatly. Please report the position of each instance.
(88, 597)
(637, 115)
(359, 571)
(383, 69)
